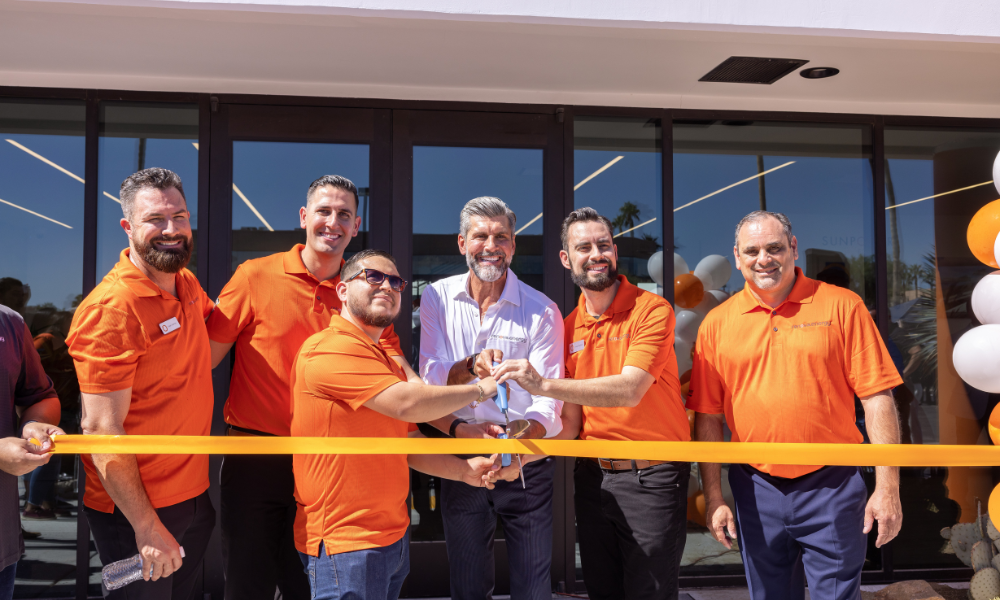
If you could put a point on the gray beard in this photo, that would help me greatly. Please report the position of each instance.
(487, 274)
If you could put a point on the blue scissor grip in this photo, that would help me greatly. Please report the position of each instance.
(502, 405)
(504, 458)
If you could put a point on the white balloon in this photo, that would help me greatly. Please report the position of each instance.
(687, 325)
(683, 351)
(719, 295)
(655, 266)
(986, 299)
(713, 271)
(707, 303)
(977, 358)
(680, 265)
(996, 173)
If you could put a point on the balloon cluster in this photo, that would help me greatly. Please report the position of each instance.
(695, 294)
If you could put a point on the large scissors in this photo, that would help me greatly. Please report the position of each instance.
(503, 392)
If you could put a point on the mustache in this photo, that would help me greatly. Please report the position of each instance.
(592, 263)
(499, 253)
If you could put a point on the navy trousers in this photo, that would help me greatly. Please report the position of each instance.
(470, 521)
(807, 529)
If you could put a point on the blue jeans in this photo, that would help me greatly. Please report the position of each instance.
(7, 582)
(374, 574)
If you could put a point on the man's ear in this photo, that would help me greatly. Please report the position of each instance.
(127, 227)
(795, 248)
(461, 244)
(342, 291)
(302, 217)
(564, 258)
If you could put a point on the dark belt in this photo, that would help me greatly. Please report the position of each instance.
(243, 431)
(615, 465)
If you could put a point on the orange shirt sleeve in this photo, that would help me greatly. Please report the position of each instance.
(869, 367)
(349, 371)
(652, 340)
(106, 344)
(569, 330)
(390, 342)
(708, 394)
(234, 312)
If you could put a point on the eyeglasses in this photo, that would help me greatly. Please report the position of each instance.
(375, 277)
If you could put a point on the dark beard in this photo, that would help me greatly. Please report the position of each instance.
(364, 314)
(596, 284)
(165, 261)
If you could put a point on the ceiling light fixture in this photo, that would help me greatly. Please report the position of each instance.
(819, 72)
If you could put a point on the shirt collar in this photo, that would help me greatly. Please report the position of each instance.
(624, 301)
(802, 292)
(295, 266)
(135, 279)
(511, 289)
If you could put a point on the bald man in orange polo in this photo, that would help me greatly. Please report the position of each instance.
(781, 361)
(269, 307)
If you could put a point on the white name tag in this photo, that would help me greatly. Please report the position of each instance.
(576, 346)
(169, 325)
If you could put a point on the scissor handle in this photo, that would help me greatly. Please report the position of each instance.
(501, 394)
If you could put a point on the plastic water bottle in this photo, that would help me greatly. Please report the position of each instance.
(121, 573)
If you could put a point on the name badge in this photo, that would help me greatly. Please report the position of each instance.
(576, 346)
(169, 325)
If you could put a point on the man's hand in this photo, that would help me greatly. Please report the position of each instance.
(481, 471)
(161, 555)
(885, 508)
(487, 431)
(719, 519)
(521, 371)
(18, 456)
(485, 360)
(42, 432)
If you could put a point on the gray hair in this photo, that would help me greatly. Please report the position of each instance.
(759, 215)
(488, 207)
(335, 181)
(151, 178)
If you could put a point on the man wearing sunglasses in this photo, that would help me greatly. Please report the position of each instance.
(269, 307)
(351, 528)
(467, 322)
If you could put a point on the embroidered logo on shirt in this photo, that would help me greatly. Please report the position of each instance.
(620, 337)
(813, 324)
(507, 338)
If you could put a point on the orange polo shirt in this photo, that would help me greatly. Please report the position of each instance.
(128, 333)
(349, 502)
(636, 331)
(269, 308)
(790, 374)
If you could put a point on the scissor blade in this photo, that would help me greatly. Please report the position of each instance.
(520, 468)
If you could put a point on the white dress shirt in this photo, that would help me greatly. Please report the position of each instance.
(523, 324)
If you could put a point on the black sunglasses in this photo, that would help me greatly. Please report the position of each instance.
(375, 277)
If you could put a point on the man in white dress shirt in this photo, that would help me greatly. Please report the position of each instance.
(467, 322)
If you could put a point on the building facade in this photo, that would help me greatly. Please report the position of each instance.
(550, 106)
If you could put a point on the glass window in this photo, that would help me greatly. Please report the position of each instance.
(618, 171)
(137, 136)
(270, 181)
(444, 179)
(820, 176)
(935, 181)
(41, 277)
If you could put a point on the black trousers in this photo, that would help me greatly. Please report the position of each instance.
(470, 522)
(190, 522)
(632, 527)
(258, 514)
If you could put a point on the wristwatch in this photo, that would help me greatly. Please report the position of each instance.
(470, 364)
(454, 426)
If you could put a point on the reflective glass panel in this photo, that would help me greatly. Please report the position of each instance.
(935, 181)
(270, 182)
(135, 137)
(444, 179)
(41, 277)
(618, 171)
(820, 176)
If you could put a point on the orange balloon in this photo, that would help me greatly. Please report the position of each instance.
(696, 509)
(982, 233)
(689, 290)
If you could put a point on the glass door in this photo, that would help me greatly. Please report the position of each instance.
(441, 160)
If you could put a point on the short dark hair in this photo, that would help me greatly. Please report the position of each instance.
(335, 181)
(582, 215)
(352, 266)
(760, 215)
(151, 178)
